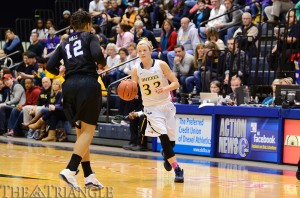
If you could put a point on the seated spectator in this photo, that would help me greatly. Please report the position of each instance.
(114, 17)
(51, 42)
(177, 13)
(112, 60)
(218, 10)
(41, 31)
(183, 66)
(65, 23)
(95, 29)
(270, 99)
(16, 117)
(36, 46)
(195, 80)
(213, 36)
(213, 66)
(96, 8)
(239, 67)
(49, 23)
(201, 14)
(247, 36)
(118, 73)
(232, 20)
(168, 40)
(5, 61)
(51, 114)
(145, 17)
(140, 32)
(30, 68)
(132, 54)
(291, 43)
(187, 37)
(129, 16)
(124, 37)
(16, 97)
(13, 44)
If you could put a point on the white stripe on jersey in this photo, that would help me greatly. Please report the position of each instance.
(149, 79)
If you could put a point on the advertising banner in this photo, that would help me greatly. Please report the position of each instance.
(193, 134)
(247, 138)
(291, 147)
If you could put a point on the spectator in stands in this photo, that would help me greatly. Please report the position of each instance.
(118, 73)
(41, 30)
(187, 37)
(30, 68)
(36, 46)
(51, 42)
(270, 99)
(5, 70)
(232, 20)
(239, 61)
(16, 97)
(183, 66)
(4, 91)
(291, 42)
(5, 61)
(143, 12)
(177, 13)
(30, 111)
(112, 60)
(217, 11)
(49, 23)
(51, 114)
(140, 33)
(65, 23)
(247, 36)
(95, 29)
(279, 6)
(114, 15)
(132, 54)
(213, 36)
(12, 45)
(195, 80)
(124, 37)
(201, 14)
(106, 4)
(129, 16)
(168, 40)
(16, 117)
(96, 8)
(212, 66)
(286, 81)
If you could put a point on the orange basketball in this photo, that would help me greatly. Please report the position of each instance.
(127, 90)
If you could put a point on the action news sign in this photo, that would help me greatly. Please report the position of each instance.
(247, 138)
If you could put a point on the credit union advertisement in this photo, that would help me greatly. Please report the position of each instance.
(247, 138)
(193, 134)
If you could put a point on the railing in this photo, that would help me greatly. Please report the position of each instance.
(44, 14)
(22, 27)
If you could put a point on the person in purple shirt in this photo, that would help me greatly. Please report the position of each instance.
(51, 42)
(114, 17)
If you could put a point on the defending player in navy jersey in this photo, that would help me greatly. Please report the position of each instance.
(81, 53)
(152, 76)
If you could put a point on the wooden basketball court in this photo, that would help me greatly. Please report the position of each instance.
(30, 168)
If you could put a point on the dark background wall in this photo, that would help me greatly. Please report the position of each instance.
(21, 9)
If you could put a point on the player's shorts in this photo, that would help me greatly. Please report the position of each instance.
(81, 99)
(161, 120)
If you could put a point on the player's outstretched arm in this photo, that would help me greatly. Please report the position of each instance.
(170, 76)
(54, 62)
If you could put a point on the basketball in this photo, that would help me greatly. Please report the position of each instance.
(127, 90)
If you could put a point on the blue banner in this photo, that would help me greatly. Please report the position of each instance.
(193, 134)
(247, 138)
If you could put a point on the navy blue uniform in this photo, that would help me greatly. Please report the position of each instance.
(81, 90)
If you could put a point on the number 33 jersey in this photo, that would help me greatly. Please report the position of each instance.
(149, 79)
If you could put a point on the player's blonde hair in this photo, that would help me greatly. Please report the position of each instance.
(145, 41)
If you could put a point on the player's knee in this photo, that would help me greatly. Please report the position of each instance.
(167, 146)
